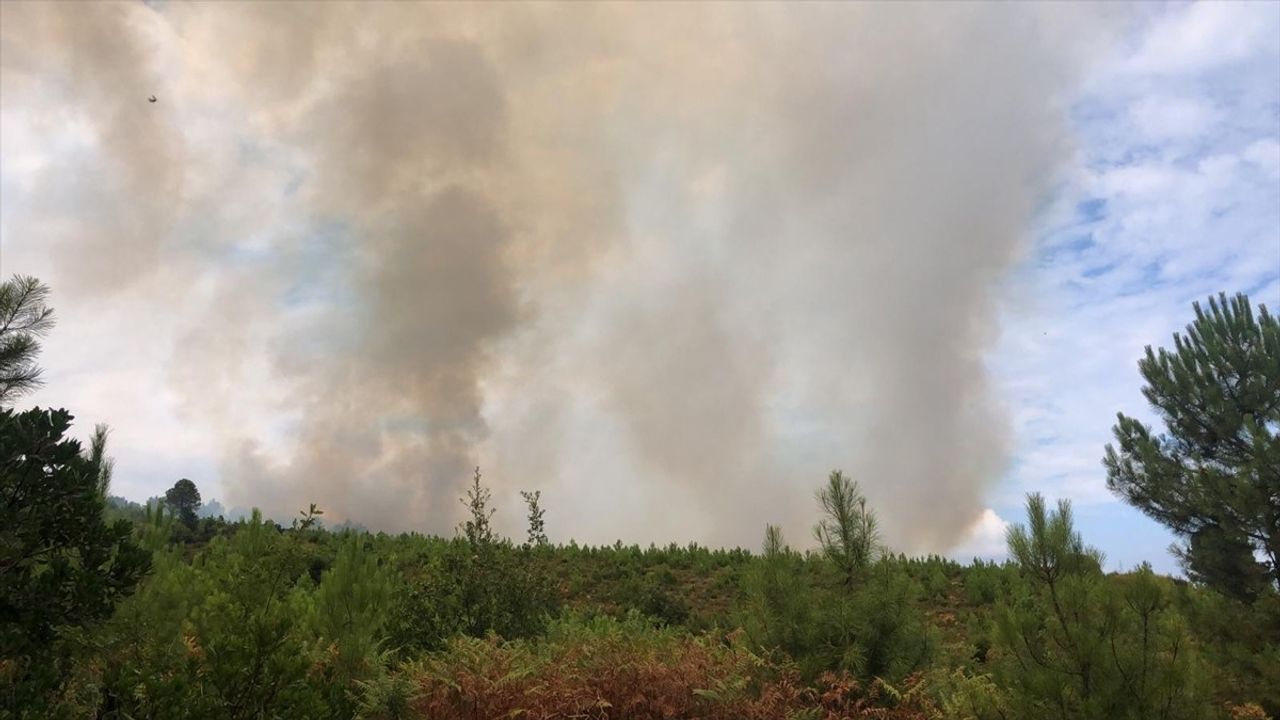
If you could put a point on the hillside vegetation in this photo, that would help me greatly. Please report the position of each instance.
(109, 609)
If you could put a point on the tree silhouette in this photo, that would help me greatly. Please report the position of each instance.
(184, 498)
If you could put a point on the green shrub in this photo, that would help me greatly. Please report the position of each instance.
(62, 568)
(1078, 645)
(458, 589)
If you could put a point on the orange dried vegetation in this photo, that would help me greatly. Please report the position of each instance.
(616, 675)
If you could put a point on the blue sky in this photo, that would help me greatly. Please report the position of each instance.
(728, 242)
(1174, 196)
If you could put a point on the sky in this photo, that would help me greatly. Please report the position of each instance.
(667, 264)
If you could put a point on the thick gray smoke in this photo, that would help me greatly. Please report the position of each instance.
(669, 263)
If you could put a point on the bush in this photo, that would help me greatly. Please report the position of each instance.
(458, 589)
(629, 669)
(889, 637)
(222, 636)
(806, 610)
(1078, 645)
(62, 568)
(1240, 642)
(241, 631)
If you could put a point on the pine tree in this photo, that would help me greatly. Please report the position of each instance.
(184, 498)
(890, 639)
(243, 630)
(848, 530)
(98, 456)
(350, 610)
(1215, 477)
(779, 612)
(867, 623)
(537, 526)
(24, 317)
(1078, 645)
(477, 529)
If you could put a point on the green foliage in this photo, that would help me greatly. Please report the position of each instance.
(935, 583)
(1050, 549)
(889, 637)
(455, 589)
(184, 498)
(204, 530)
(477, 528)
(847, 531)
(692, 585)
(241, 631)
(1078, 645)
(251, 620)
(1213, 479)
(537, 525)
(62, 569)
(98, 456)
(118, 508)
(656, 595)
(1240, 643)
(474, 586)
(872, 628)
(343, 625)
(231, 633)
(24, 317)
(348, 613)
(984, 582)
(308, 519)
(145, 654)
(779, 609)
(965, 696)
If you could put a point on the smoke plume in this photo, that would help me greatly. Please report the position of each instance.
(668, 263)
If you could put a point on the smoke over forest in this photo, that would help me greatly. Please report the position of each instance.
(669, 265)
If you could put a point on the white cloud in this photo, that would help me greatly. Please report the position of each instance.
(1162, 118)
(1176, 196)
(1265, 154)
(1202, 36)
(986, 539)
